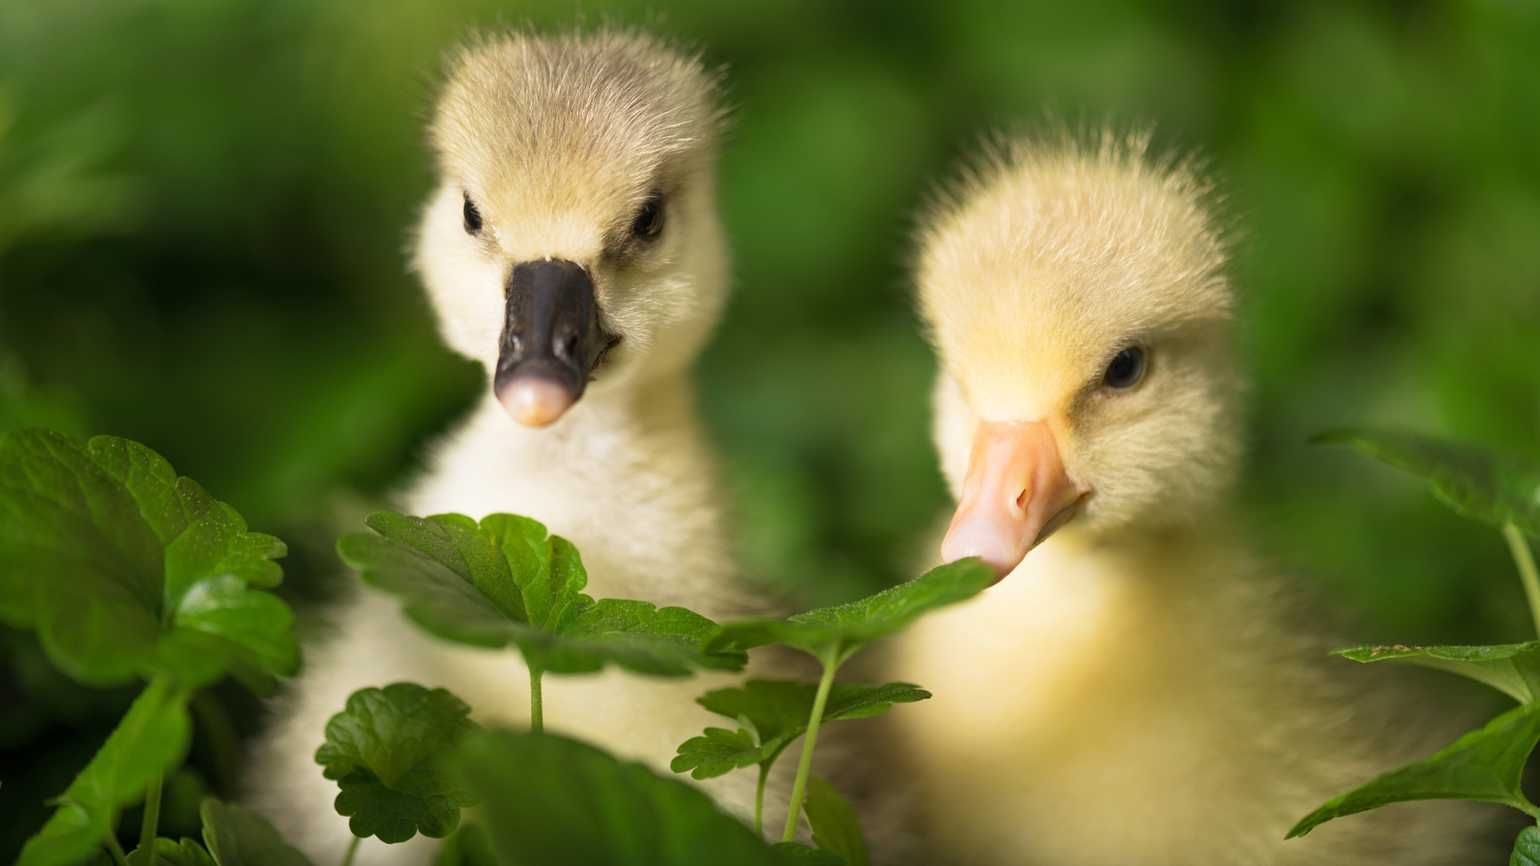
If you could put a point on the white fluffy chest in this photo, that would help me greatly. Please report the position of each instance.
(639, 506)
(1073, 719)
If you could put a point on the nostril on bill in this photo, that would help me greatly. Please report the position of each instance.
(566, 346)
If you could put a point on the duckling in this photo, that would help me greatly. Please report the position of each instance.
(1138, 688)
(572, 246)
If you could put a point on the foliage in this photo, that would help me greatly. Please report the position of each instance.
(552, 801)
(387, 752)
(771, 715)
(229, 285)
(831, 635)
(1499, 491)
(239, 837)
(149, 741)
(125, 569)
(506, 581)
(835, 827)
(1485, 764)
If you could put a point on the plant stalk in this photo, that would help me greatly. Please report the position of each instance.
(347, 859)
(536, 708)
(116, 850)
(759, 800)
(809, 740)
(145, 856)
(1528, 573)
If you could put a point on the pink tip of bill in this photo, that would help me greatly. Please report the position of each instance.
(535, 401)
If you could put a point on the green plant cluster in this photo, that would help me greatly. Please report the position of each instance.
(129, 572)
(1485, 764)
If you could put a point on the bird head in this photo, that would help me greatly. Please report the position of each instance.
(1077, 301)
(572, 242)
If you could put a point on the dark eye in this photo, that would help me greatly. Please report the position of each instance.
(1127, 369)
(472, 217)
(648, 223)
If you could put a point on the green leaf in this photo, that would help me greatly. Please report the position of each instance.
(169, 852)
(126, 570)
(835, 826)
(844, 629)
(387, 752)
(719, 751)
(507, 581)
(1486, 764)
(551, 801)
(776, 713)
(150, 740)
(1483, 486)
(240, 837)
(1526, 848)
(467, 846)
(795, 854)
(1513, 669)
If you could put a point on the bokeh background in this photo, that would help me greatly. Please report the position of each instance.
(204, 205)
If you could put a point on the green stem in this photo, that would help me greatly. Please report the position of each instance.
(116, 850)
(151, 824)
(809, 740)
(759, 800)
(347, 859)
(536, 710)
(1525, 560)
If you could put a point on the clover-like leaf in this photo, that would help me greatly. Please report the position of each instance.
(1526, 848)
(1485, 764)
(125, 569)
(240, 837)
(1513, 669)
(772, 715)
(170, 852)
(835, 825)
(151, 739)
(1492, 488)
(387, 752)
(844, 629)
(554, 801)
(507, 581)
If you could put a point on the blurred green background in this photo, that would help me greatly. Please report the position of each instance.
(204, 205)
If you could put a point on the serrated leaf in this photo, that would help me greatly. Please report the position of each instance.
(1526, 848)
(507, 581)
(387, 752)
(1513, 669)
(835, 825)
(777, 713)
(151, 739)
(553, 801)
(843, 629)
(240, 837)
(1492, 488)
(126, 570)
(1485, 764)
(717, 752)
(170, 852)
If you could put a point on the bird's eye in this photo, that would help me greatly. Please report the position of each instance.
(1126, 369)
(648, 222)
(472, 217)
